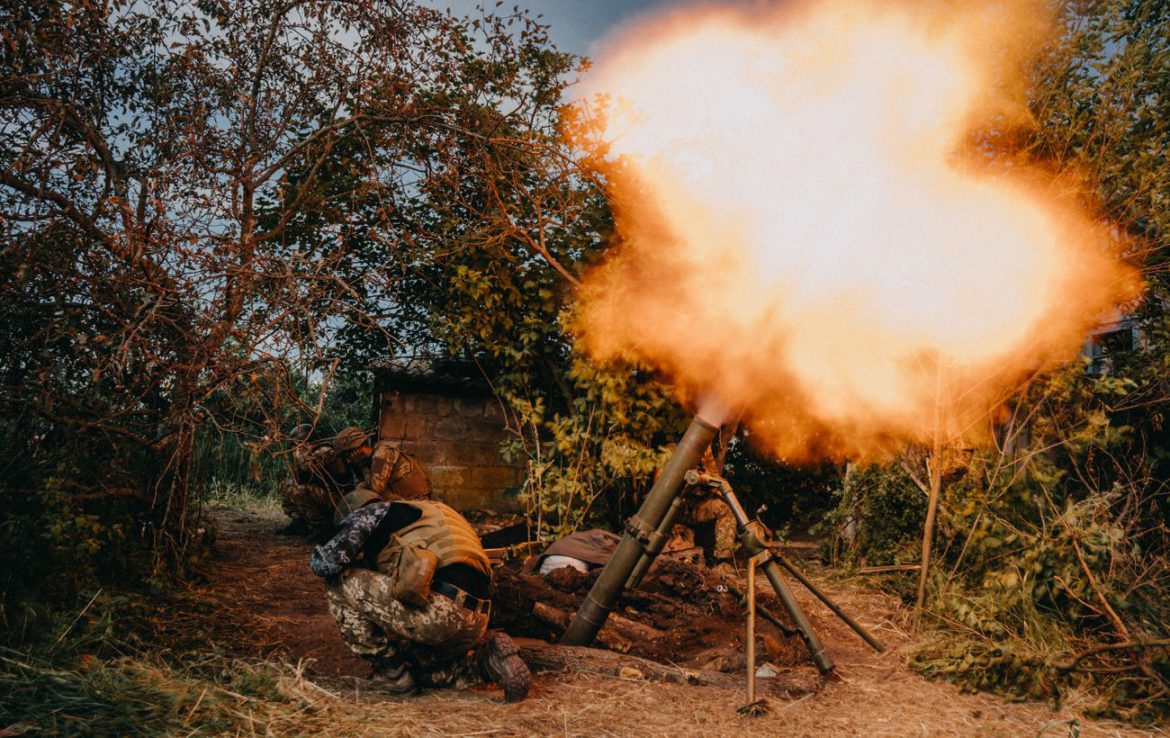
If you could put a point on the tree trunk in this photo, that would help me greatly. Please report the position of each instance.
(935, 464)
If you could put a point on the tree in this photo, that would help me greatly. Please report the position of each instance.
(1053, 560)
(184, 188)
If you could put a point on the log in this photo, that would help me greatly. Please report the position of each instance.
(618, 633)
(559, 619)
(632, 629)
(541, 656)
(550, 615)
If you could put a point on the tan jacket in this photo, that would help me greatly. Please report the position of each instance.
(396, 475)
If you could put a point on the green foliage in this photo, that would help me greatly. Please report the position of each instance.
(244, 496)
(245, 467)
(993, 668)
(56, 543)
(199, 203)
(1050, 546)
(1054, 545)
(349, 400)
(1052, 553)
(600, 447)
(877, 519)
(182, 263)
(590, 434)
(158, 663)
(118, 665)
(793, 497)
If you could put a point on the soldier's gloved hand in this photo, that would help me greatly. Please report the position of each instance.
(331, 558)
(325, 563)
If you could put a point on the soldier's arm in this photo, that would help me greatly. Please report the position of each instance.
(319, 456)
(342, 550)
(364, 531)
(383, 469)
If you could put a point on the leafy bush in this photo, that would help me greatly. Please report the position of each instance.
(1055, 565)
(591, 454)
(877, 519)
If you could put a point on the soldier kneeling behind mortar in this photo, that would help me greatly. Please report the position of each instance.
(409, 585)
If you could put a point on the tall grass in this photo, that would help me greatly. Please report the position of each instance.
(243, 495)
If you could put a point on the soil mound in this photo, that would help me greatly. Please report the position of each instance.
(682, 613)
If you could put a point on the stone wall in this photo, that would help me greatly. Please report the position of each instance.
(458, 438)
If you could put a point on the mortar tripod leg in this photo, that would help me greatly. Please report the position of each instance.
(755, 547)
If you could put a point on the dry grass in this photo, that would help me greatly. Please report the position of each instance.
(262, 602)
(874, 695)
(882, 701)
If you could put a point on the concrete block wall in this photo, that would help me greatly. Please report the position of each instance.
(458, 438)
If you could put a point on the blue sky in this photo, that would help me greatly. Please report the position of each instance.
(575, 25)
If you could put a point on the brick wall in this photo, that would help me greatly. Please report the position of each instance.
(458, 438)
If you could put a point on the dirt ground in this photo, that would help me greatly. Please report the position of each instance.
(261, 583)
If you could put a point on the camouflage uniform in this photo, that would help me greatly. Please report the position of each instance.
(325, 472)
(701, 509)
(308, 503)
(428, 646)
(424, 644)
(703, 506)
(321, 478)
(395, 475)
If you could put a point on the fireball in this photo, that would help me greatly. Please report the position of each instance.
(810, 226)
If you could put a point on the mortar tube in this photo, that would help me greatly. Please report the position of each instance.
(604, 594)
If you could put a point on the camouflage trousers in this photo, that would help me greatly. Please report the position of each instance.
(308, 502)
(426, 646)
(706, 511)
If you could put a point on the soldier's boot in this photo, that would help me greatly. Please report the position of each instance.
(500, 661)
(393, 676)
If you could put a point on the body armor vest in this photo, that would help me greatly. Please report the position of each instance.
(446, 534)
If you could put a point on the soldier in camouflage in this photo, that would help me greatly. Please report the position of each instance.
(304, 495)
(392, 474)
(408, 584)
(322, 475)
(701, 509)
(701, 506)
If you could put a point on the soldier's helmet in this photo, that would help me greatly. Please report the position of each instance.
(349, 438)
(301, 433)
(359, 497)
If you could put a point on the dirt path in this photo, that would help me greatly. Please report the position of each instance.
(262, 581)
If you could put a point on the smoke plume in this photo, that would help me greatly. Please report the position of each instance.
(809, 226)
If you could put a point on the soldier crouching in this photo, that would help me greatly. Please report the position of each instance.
(408, 584)
(307, 506)
(322, 473)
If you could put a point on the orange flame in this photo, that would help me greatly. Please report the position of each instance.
(806, 230)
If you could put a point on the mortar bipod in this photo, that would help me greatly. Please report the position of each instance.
(731, 501)
(753, 543)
